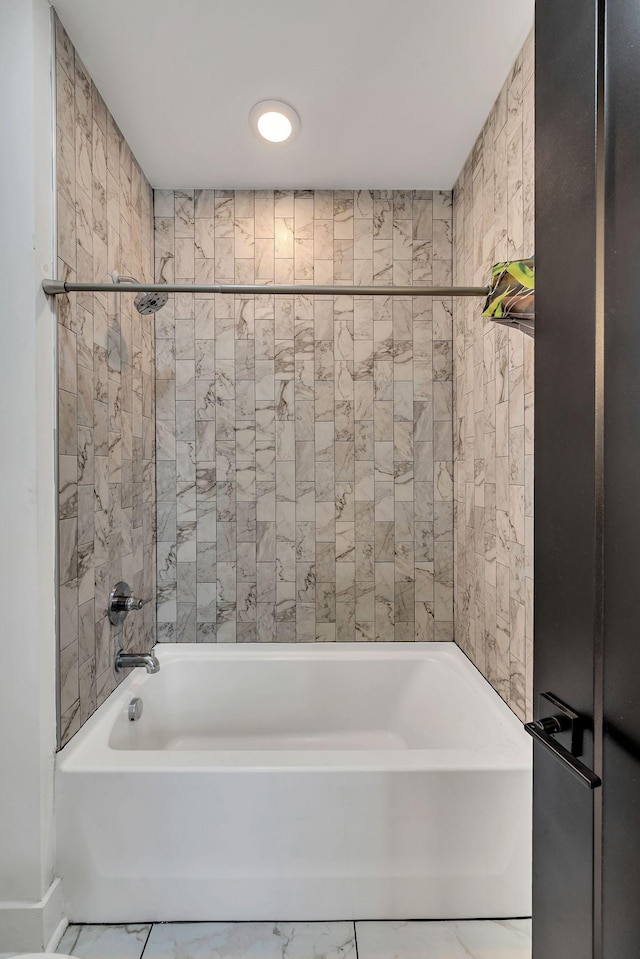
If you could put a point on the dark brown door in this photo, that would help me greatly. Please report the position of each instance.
(621, 668)
(565, 465)
(587, 486)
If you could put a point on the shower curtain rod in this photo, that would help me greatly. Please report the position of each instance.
(60, 287)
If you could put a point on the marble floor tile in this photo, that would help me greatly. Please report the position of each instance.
(469, 939)
(105, 942)
(259, 940)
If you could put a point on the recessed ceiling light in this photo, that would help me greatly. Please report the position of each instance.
(274, 121)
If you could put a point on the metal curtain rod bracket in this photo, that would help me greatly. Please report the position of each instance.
(60, 287)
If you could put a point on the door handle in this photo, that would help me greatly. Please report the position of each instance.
(564, 719)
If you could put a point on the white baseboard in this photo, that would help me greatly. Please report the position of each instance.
(59, 932)
(32, 926)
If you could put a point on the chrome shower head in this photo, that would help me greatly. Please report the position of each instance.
(144, 303)
(150, 302)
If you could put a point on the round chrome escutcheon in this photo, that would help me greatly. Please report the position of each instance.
(135, 709)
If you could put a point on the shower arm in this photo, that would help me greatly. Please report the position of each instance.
(61, 287)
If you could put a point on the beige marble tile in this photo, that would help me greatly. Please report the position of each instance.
(310, 404)
(105, 433)
(493, 402)
(470, 939)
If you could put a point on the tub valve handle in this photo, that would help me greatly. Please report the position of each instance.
(131, 603)
(121, 603)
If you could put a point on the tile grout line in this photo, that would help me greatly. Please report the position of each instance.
(151, 925)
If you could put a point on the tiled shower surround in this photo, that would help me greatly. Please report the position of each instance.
(493, 405)
(106, 434)
(304, 444)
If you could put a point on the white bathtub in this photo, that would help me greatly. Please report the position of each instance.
(343, 781)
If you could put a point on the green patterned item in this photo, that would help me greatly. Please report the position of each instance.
(511, 296)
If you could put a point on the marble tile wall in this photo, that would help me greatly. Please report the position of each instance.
(106, 428)
(493, 204)
(304, 445)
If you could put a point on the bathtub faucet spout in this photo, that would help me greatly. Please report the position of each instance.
(125, 660)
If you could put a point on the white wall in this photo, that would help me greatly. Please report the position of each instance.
(27, 485)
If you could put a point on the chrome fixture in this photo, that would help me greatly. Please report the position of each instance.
(145, 302)
(121, 603)
(61, 287)
(135, 709)
(129, 660)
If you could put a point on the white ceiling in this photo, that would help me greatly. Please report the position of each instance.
(391, 93)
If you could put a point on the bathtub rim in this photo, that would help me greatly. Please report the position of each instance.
(89, 750)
